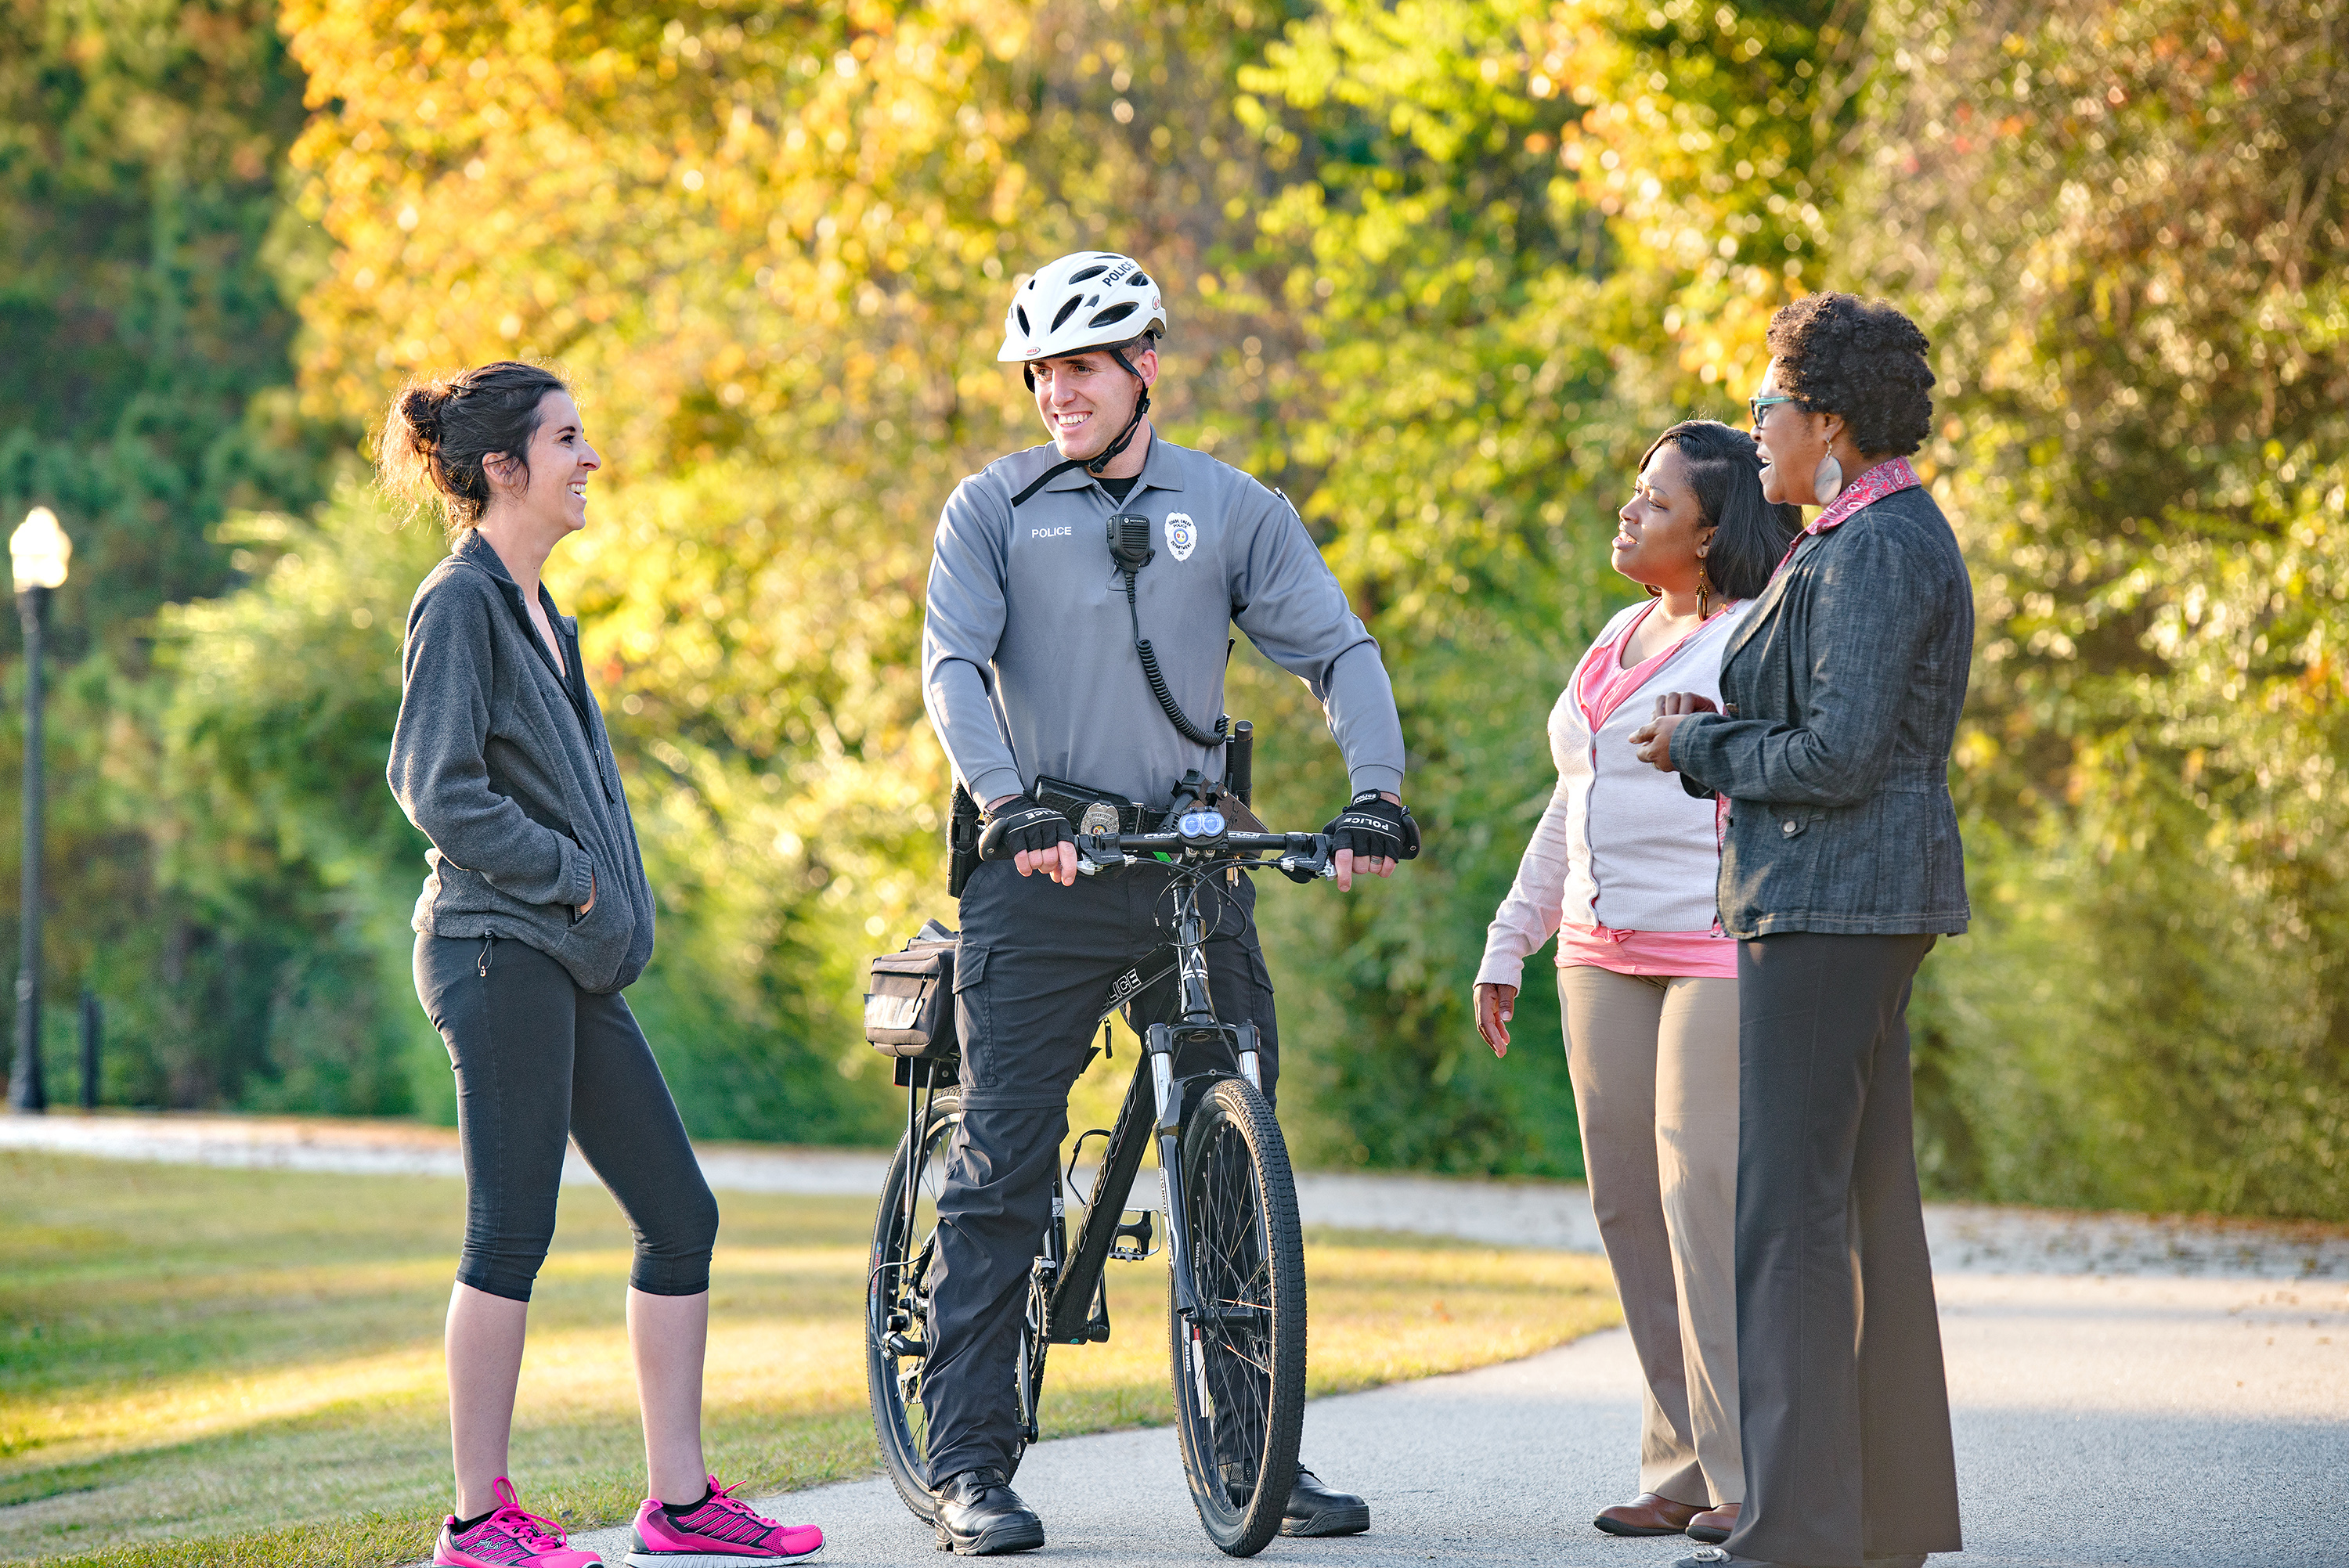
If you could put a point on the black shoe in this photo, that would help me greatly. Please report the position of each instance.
(980, 1516)
(1314, 1510)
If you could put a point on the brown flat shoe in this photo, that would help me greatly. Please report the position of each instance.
(1647, 1514)
(1713, 1525)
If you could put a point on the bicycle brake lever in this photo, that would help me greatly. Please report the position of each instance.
(1092, 860)
(1321, 863)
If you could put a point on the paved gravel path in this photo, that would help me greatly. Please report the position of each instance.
(2193, 1423)
(2128, 1390)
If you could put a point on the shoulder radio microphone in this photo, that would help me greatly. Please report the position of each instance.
(1129, 541)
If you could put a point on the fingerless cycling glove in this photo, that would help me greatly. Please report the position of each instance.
(1374, 828)
(1023, 829)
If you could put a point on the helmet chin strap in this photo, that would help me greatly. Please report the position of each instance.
(1108, 455)
(1125, 437)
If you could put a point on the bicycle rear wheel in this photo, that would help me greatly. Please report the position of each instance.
(897, 1301)
(901, 1268)
(1239, 1364)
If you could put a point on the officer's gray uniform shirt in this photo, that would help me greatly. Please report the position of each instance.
(1028, 661)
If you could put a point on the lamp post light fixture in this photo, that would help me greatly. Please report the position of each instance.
(38, 553)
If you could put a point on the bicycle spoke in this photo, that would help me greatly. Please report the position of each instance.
(1230, 1272)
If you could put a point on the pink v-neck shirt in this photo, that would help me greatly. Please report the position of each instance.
(1623, 865)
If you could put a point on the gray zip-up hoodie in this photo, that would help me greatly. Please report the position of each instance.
(502, 761)
(1027, 660)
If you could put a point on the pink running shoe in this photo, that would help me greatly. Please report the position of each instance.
(510, 1538)
(716, 1533)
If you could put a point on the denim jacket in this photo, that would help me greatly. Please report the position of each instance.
(1845, 682)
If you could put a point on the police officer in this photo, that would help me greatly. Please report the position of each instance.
(1030, 670)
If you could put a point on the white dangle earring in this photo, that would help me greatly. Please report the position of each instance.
(1827, 482)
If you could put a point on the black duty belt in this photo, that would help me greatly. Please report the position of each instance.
(1091, 811)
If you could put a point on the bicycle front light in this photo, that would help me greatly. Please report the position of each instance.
(1204, 825)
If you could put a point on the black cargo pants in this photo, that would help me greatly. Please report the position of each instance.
(1033, 974)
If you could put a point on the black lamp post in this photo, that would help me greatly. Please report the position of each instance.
(38, 552)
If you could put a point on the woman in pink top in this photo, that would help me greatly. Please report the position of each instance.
(1622, 871)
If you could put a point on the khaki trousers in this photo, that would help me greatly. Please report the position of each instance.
(1654, 1062)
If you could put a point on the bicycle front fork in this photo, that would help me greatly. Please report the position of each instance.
(1158, 1042)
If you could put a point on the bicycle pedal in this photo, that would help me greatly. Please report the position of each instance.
(1139, 1230)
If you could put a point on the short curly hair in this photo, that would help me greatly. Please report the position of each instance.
(1861, 358)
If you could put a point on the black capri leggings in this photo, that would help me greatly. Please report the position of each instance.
(539, 1061)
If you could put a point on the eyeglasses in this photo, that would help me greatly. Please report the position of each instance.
(1758, 405)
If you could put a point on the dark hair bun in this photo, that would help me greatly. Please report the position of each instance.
(418, 410)
(1840, 353)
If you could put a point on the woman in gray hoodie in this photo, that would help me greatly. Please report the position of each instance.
(534, 915)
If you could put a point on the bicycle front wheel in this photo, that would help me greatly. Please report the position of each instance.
(1239, 1360)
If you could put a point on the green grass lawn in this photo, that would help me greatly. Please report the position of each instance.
(216, 1367)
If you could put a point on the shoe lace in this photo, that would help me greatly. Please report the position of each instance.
(723, 1497)
(536, 1531)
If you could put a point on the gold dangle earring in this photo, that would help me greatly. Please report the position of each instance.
(1703, 586)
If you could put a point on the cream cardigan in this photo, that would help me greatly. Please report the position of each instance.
(1620, 845)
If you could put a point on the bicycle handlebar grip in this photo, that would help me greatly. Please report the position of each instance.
(1023, 829)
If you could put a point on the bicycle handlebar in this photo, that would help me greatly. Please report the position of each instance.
(1200, 836)
(1307, 852)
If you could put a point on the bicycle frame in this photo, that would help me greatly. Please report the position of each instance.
(1066, 1301)
(1069, 1282)
(1077, 1282)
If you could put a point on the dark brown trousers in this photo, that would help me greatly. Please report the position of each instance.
(1844, 1408)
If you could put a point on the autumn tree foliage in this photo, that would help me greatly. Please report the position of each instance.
(1440, 269)
(2124, 226)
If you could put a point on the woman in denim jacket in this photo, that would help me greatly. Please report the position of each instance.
(1840, 694)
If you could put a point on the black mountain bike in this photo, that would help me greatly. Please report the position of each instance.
(1235, 1254)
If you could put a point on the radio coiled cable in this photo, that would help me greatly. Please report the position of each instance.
(1159, 689)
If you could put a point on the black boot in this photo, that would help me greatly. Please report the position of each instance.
(980, 1516)
(1314, 1510)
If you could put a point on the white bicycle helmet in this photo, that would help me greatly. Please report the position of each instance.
(1087, 299)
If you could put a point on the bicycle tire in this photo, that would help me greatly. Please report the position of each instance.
(1239, 1368)
(895, 1288)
